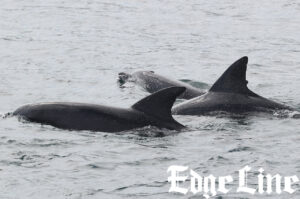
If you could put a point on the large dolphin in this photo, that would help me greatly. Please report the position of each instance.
(153, 110)
(229, 93)
(153, 82)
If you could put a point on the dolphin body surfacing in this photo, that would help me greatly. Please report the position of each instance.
(229, 93)
(153, 82)
(154, 110)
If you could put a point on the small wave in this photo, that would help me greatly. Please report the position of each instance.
(156, 146)
(239, 149)
(96, 166)
(218, 158)
(287, 114)
(134, 186)
(296, 116)
(152, 131)
(49, 143)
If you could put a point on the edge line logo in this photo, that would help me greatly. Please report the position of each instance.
(207, 185)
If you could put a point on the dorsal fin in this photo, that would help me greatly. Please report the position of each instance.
(159, 104)
(233, 79)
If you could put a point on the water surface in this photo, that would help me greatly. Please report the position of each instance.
(73, 50)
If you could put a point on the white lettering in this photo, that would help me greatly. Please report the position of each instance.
(222, 183)
(196, 179)
(288, 181)
(243, 181)
(175, 179)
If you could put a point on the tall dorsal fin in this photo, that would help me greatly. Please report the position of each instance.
(159, 104)
(233, 79)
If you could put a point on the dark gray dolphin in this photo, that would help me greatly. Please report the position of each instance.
(229, 93)
(153, 110)
(153, 82)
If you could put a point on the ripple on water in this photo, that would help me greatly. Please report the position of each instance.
(240, 149)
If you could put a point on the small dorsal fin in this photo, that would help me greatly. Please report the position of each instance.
(233, 79)
(159, 104)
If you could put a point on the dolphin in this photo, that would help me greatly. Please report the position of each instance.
(153, 82)
(154, 110)
(230, 94)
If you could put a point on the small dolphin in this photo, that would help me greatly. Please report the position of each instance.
(153, 110)
(153, 82)
(229, 93)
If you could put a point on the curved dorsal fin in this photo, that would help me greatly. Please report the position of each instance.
(233, 79)
(159, 104)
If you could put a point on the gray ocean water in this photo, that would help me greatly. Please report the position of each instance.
(63, 50)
